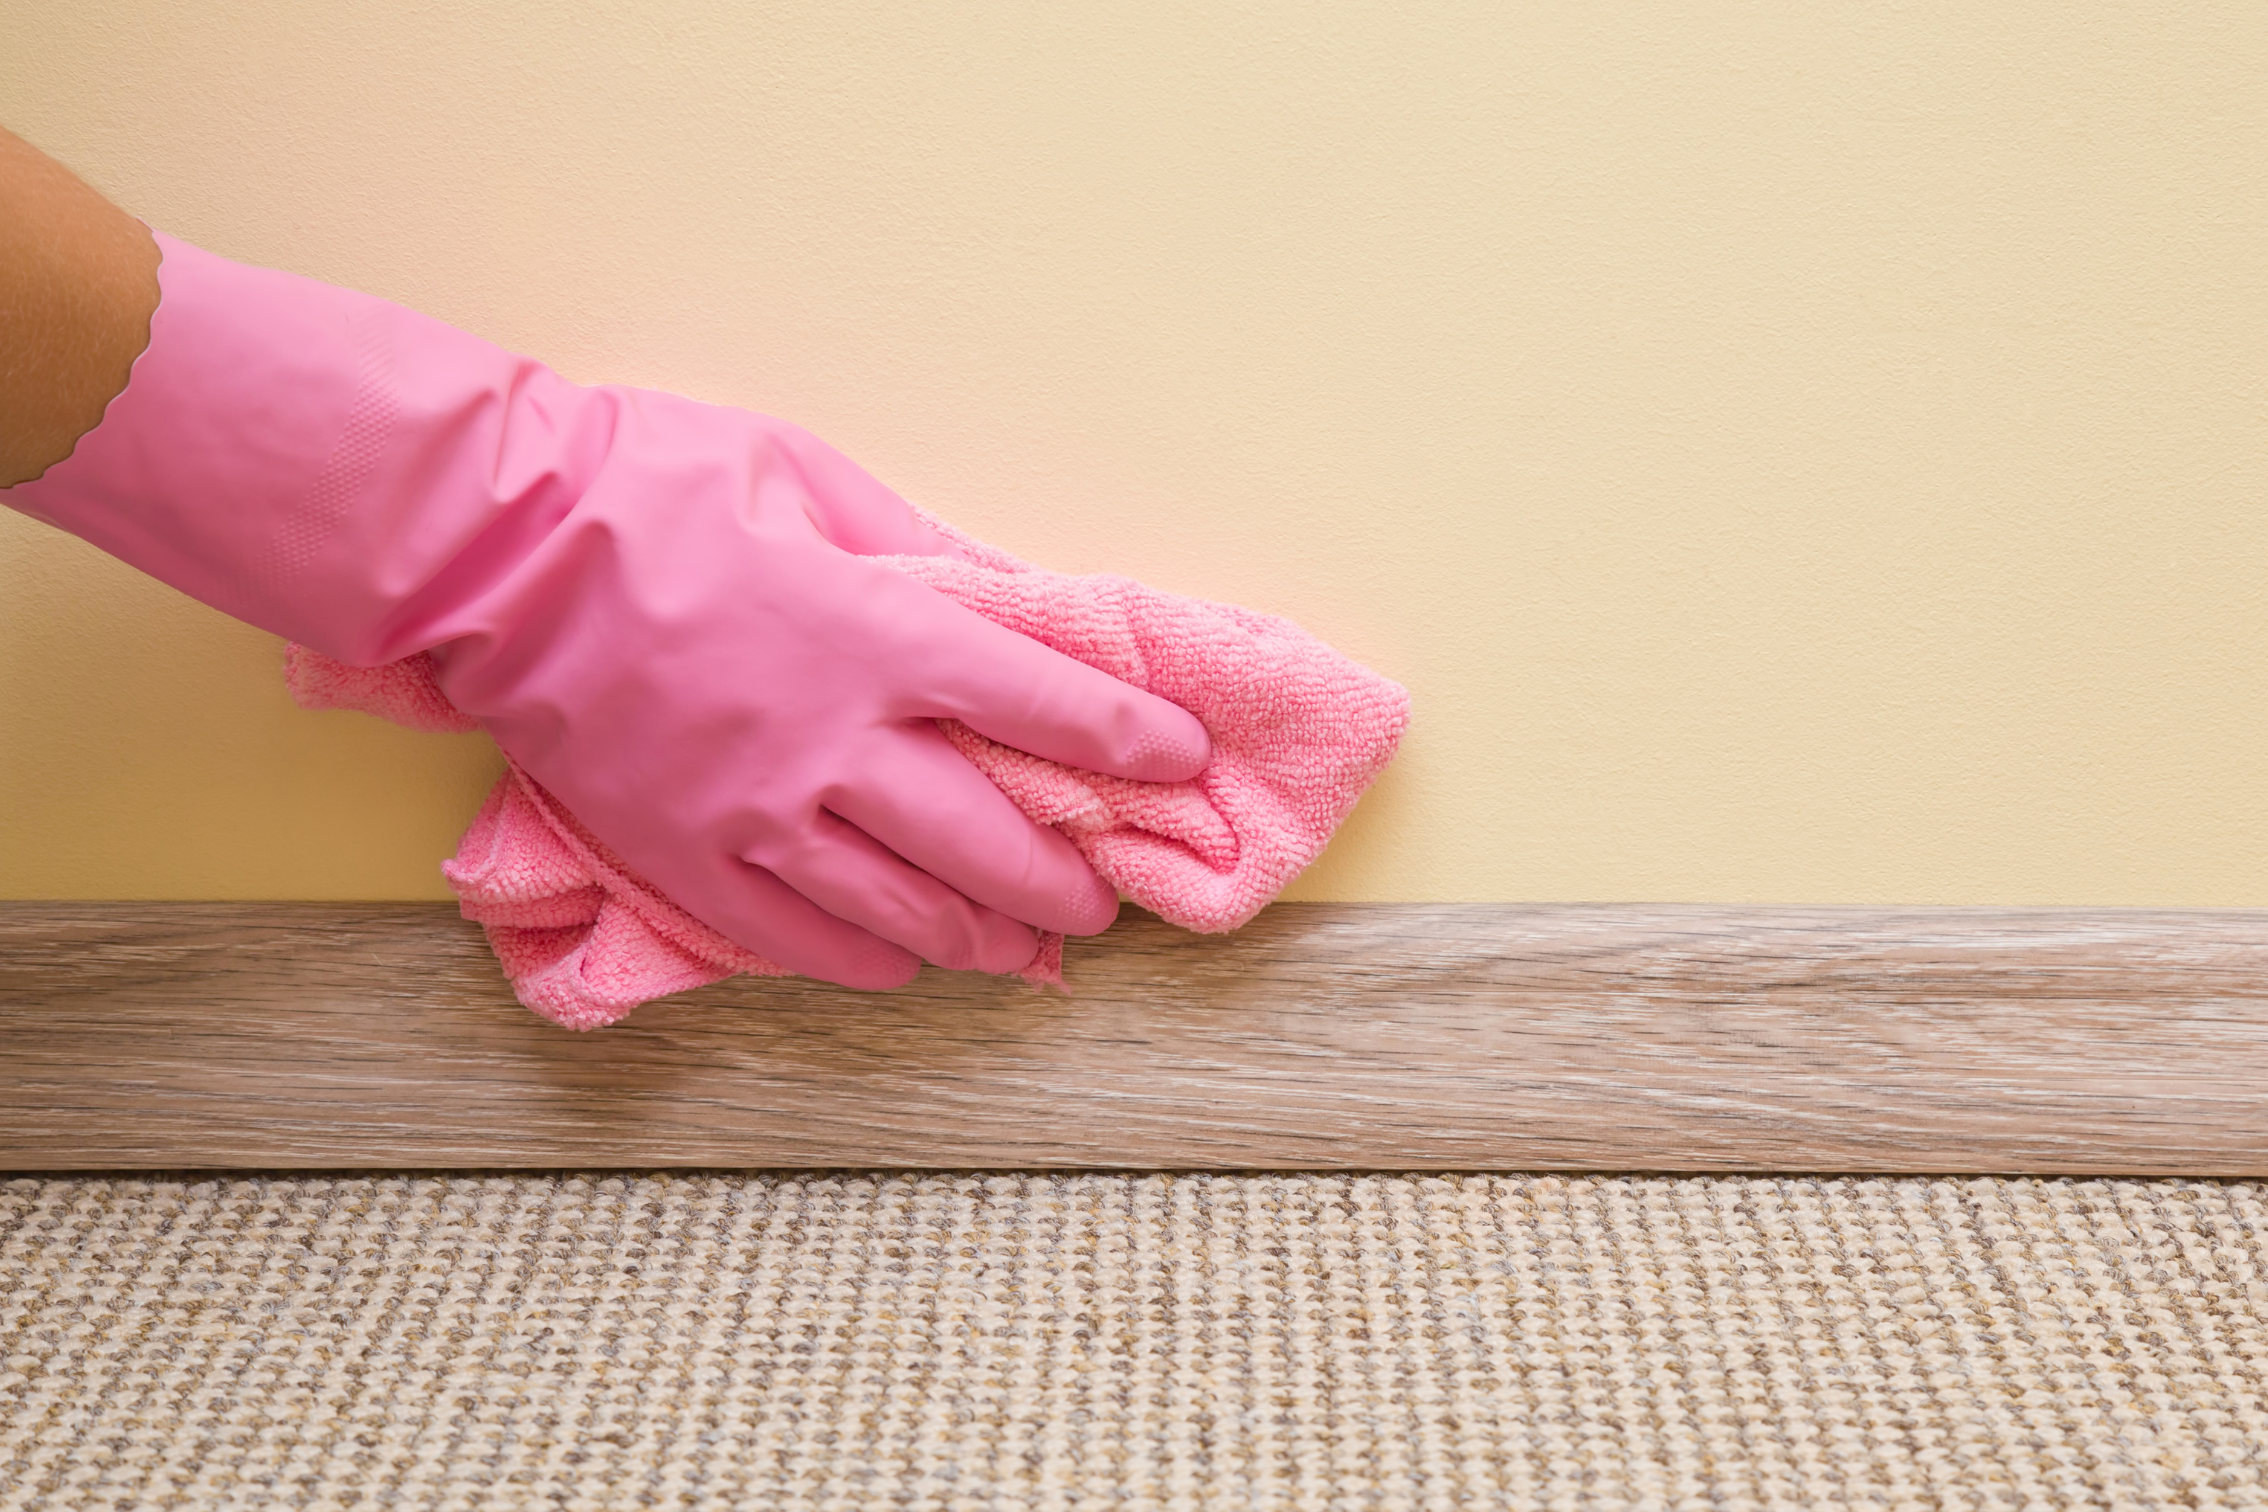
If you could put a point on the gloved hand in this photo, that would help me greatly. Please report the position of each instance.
(660, 608)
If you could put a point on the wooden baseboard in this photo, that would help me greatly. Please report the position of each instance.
(1402, 1037)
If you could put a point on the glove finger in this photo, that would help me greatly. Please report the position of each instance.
(758, 911)
(1012, 689)
(856, 878)
(922, 799)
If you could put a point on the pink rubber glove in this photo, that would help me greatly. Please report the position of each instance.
(660, 608)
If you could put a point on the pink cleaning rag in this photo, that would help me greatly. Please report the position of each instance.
(1299, 732)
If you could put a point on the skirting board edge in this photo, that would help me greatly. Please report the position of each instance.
(1322, 1036)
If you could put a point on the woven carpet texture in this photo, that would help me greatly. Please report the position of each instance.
(1076, 1341)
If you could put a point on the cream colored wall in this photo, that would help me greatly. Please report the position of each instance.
(1791, 452)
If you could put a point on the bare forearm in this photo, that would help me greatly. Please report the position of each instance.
(78, 281)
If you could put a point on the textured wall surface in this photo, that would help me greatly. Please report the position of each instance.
(1792, 455)
(1051, 1342)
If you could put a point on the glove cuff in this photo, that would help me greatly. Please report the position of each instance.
(319, 462)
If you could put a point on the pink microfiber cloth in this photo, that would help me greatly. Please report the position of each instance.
(1299, 732)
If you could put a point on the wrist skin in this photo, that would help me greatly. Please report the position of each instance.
(78, 281)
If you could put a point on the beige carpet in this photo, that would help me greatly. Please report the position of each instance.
(881, 1341)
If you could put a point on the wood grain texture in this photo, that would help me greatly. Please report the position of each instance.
(1323, 1036)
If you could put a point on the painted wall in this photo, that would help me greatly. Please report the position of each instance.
(1792, 453)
